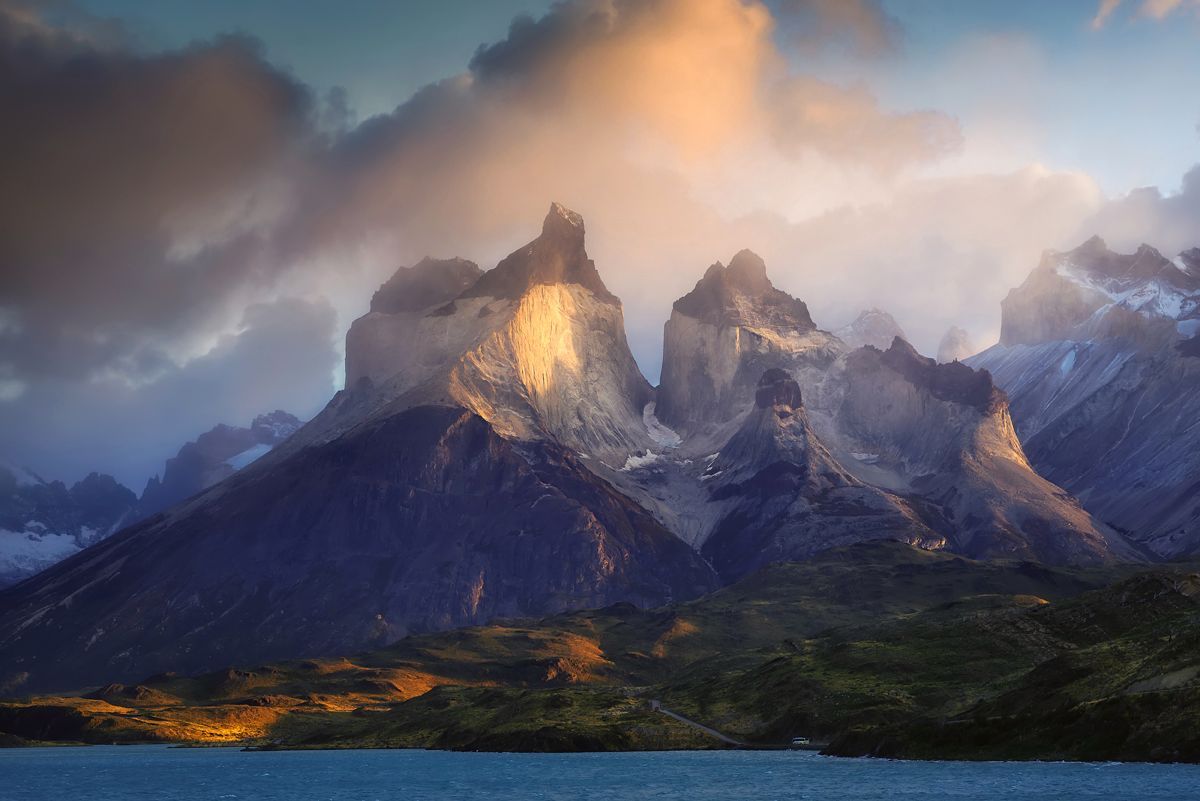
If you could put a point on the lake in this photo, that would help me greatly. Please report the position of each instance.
(109, 773)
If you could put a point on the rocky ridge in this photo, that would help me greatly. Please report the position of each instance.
(1096, 356)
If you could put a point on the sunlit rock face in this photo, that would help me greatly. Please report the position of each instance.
(536, 346)
(452, 481)
(722, 336)
(1098, 362)
(873, 327)
(397, 335)
(955, 346)
(780, 495)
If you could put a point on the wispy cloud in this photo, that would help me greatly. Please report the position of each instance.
(1153, 9)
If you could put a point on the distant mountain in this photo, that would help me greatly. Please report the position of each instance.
(43, 522)
(1098, 354)
(872, 327)
(214, 456)
(955, 346)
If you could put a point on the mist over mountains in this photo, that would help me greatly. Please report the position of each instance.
(497, 453)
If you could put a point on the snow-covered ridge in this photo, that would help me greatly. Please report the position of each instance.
(1172, 291)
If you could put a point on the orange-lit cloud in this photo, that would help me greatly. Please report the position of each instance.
(1152, 9)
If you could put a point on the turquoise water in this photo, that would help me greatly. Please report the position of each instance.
(181, 774)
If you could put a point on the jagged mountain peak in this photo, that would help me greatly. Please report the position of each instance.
(1095, 259)
(742, 294)
(557, 256)
(274, 427)
(427, 283)
(560, 219)
(871, 327)
(748, 272)
(1093, 293)
(954, 382)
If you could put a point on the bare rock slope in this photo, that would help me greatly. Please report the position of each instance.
(939, 436)
(1097, 354)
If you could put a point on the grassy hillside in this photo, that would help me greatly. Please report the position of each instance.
(878, 648)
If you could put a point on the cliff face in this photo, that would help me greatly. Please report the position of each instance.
(781, 496)
(1104, 395)
(535, 346)
(943, 432)
(451, 482)
(722, 336)
(935, 438)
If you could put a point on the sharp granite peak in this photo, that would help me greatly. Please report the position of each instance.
(497, 452)
(721, 337)
(536, 346)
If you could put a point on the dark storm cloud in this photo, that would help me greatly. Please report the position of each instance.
(280, 356)
(112, 162)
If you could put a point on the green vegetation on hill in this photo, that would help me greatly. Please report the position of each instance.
(876, 649)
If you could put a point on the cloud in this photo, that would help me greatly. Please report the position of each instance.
(1157, 10)
(863, 26)
(1168, 222)
(594, 101)
(135, 190)
(158, 197)
(280, 355)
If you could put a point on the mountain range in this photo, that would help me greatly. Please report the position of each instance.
(1100, 353)
(496, 453)
(43, 522)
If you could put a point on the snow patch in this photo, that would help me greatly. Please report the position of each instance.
(1067, 363)
(240, 460)
(865, 458)
(636, 461)
(660, 433)
(32, 550)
